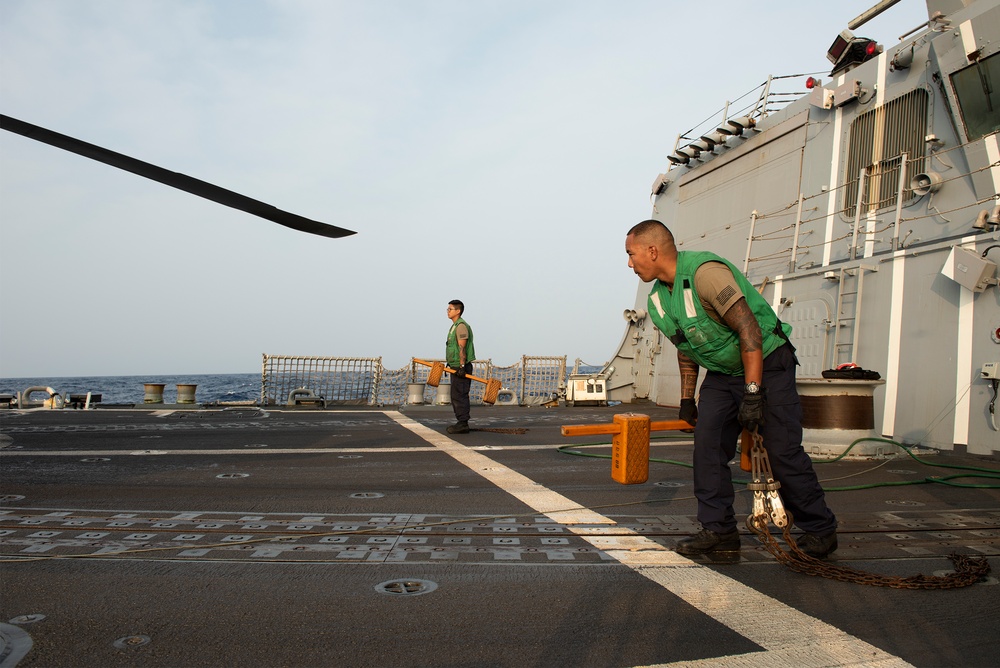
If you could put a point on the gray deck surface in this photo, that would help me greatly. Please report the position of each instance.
(367, 537)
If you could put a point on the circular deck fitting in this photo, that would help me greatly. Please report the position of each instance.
(406, 587)
(349, 457)
(256, 445)
(96, 459)
(129, 642)
(14, 644)
(233, 475)
(367, 495)
(27, 619)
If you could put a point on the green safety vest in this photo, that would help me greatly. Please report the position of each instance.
(680, 315)
(452, 352)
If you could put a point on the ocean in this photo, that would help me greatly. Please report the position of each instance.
(130, 389)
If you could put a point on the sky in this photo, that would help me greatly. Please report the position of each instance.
(493, 151)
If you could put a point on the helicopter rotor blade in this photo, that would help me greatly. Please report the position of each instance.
(174, 179)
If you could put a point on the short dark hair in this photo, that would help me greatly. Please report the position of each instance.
(457, 303)
(653, 229)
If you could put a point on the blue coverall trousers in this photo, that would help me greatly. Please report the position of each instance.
(460, 388)
(717, 433)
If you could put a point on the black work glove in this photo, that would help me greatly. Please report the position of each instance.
(689, 411)
(460, 371)
(752, 410)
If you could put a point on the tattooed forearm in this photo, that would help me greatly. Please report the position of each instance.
(741, 320)
(689, 375)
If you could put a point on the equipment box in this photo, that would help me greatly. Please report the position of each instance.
(585, 390)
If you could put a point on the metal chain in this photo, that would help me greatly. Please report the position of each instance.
(767, 507)
(501, 430)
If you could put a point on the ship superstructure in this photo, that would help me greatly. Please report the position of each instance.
(866, 211)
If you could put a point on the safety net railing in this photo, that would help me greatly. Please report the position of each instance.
(364, 381)
(342, 380)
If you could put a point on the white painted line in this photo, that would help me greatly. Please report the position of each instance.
(893, 360)
(788, 636)
(236, 451)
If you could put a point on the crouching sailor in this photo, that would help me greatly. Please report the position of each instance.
(717, 320)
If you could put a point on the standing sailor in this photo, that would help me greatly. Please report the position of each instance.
(717, 320)
(459, 354)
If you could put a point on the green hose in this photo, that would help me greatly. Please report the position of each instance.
(978, 472)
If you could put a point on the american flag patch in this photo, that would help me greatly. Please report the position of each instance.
(725, 295)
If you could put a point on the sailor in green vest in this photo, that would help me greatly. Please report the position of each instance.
(717, 320)
(459, 354)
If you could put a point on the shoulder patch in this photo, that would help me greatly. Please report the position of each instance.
(725, 295)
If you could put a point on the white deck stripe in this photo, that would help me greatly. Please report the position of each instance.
(789, 637)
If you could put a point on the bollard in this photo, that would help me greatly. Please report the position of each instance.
(629, 443)
(185, 393)
(154, 393)
(443, 396)
(415, 393)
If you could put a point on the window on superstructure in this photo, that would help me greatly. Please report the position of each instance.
(978, 90)
(878, 138)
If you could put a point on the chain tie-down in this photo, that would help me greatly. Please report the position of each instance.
(767, 506)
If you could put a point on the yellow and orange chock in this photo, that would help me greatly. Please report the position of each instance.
(490, 394)
(629, 443)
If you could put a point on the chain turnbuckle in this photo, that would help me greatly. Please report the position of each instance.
(766, 502)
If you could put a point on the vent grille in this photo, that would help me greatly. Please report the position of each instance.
(878, 138)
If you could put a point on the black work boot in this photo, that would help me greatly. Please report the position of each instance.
(816, 546)
(707, 541)
(459, 428)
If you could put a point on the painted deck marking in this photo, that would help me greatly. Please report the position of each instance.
(785, 633)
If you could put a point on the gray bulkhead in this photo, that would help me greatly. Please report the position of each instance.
(860, 284)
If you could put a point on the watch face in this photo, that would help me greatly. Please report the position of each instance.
(752, 388)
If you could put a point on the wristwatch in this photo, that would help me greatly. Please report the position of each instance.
(752, 388)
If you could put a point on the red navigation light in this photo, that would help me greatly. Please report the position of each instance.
(813, 82)
(870, 49)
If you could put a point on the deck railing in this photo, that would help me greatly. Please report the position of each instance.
(363, 381)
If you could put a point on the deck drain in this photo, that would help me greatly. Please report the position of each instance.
(406, 587)
(129, 642)
(233, 475)
(27, 619)
(255, 445)
(96, 459)
(349, 457)
(901, 502)
(10, 497)
(669, 484)
(367, 495)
